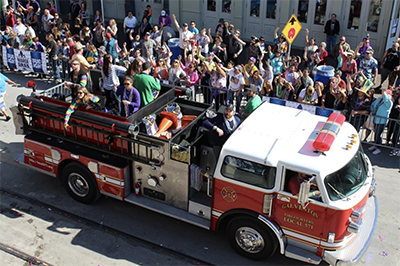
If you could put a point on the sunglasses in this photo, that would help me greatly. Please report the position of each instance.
(80, 92)
(127, 84)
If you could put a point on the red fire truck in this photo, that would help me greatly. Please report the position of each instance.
(245, 192)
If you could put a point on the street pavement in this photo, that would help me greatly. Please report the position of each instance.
(59, 240)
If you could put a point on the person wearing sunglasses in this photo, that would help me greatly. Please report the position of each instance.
(128, 98)
(83, 98)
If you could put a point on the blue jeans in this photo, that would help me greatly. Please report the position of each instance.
(330, 42)
(55, 68)
(231, 95)
(378, 132)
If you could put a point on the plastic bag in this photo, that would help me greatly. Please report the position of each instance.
(369, 124)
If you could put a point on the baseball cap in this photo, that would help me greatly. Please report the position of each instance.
(163, 13)
(108, 35)
(252, 59)
(185, 24)
(238, 68)
(221, 20)
(78, 46)
(252, 87)
(147, 34)
(230, 107)
(370, 51)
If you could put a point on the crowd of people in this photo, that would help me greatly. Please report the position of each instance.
(216, 61)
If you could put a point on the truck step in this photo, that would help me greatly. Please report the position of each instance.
(302, 255)
(168, 210)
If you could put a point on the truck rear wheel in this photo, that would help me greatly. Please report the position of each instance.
(80, 183)
(251, 238)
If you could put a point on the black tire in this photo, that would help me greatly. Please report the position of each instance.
(251, 238)
(80, 183)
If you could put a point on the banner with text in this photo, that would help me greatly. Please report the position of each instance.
(25, 60)
(315, 110)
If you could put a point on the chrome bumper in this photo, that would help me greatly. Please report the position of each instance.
(351, 253)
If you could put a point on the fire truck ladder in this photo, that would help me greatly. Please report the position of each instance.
(129, 147)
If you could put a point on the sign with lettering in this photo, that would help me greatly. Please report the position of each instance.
(25, 60)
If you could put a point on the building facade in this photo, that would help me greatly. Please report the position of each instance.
(358, 18)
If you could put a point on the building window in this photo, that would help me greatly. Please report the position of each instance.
(226, 6)
(373, 15)
(320, 12)
(255, 8)
(393, 30)
(271, 9)
(302, 12)
(211, 5)
(354, 16)
(249, 172)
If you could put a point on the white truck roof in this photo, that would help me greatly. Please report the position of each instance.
(274, 133)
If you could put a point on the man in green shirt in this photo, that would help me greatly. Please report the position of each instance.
(147, 85)
(253, 100)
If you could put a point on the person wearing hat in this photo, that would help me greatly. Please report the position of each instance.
(111, 46)
(84, 64)
(184, 36)
(349, 65)
(253, 102)
(358, 98)
(221, 127)
(164, 19)
(369, 66)
(255, 49)
(380, 109)
(148, 46)
(249, 69)
(221, 29)
(236, 84)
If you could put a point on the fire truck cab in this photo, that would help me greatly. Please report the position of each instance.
(245, 192)
(270, 149)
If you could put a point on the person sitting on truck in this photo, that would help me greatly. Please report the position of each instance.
(78, 78)
(253, 102)
(128, 97)
(222, 126)
(83, 98)
(146, 84)
(295, 181)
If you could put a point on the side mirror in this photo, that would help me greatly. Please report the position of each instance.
(303, 193)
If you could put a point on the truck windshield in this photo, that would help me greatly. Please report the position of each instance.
(349, 179)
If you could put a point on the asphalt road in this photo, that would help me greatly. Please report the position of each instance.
(60, 240)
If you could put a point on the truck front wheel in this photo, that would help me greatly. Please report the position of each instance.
(80, 183)
(251, 238)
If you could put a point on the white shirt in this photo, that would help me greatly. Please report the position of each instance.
(130, 22)
(184, 36)
(235, 81)
(19, 29)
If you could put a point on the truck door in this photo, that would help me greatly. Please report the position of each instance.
(298, 223)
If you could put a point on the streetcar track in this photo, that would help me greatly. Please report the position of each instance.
(23, 256)
(98, 226)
